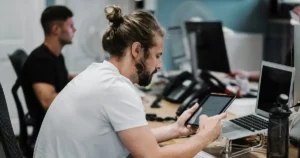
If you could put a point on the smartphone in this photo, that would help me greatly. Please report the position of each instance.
(213, 104)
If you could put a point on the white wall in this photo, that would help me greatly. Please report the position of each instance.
(245, 51)
(19, 28)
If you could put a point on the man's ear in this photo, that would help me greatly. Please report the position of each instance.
(136, 50)
(55, 29)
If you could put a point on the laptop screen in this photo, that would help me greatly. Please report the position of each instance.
(275, 80)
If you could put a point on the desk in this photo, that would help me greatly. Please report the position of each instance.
(169, 109)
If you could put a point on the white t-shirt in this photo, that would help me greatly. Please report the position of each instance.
(83, 120)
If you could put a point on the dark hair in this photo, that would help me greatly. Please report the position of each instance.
(139, 26)
(52, 14)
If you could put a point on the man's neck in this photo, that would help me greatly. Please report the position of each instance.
(126, 67)
(54, 45)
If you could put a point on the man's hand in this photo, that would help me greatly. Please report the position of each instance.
(211, 126)
(180, 126)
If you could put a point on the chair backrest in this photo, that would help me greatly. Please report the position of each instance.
(18, 59)
(8, 139)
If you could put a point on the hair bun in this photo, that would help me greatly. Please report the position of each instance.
(113, 14)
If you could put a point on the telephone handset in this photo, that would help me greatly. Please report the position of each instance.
(209, 84)
(214, 83)
(199, 93)
(179, 88)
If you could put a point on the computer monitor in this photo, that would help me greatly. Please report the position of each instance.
(278, 43)
(297, 63)
(178, 50)
(275, 79)
(209, 50)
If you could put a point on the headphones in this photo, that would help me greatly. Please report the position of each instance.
(153, 117)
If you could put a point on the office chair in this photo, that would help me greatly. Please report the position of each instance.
(10, 145)
(17, 59)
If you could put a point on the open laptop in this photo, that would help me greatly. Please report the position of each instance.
(275, 79)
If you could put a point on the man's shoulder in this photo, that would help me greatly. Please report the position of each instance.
(114, 79)
(121, 88)
(104, 77)
(39, 56)
(40, 52)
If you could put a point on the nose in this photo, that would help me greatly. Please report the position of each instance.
(74, 29)
(159, 66)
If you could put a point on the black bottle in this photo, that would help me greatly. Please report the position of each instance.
(278, 129)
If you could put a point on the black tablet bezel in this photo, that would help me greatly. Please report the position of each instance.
(201, 102)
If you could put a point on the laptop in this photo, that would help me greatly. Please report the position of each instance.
(275, 79)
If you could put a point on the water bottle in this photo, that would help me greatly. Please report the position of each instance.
(278, 129)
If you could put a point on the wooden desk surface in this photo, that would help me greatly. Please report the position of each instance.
(169, 109)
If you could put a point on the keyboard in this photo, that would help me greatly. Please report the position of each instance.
(251, 122)
(203, 154)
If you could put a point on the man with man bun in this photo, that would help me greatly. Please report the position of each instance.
(99, 114)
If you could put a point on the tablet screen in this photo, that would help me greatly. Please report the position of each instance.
(210, 106)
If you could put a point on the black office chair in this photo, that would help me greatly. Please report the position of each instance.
(18, 59)
(8, 140)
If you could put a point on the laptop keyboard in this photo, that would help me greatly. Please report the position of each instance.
(251, 122)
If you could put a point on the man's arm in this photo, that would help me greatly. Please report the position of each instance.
(45, 93)
(141, 142)
(176, 129)
(71, 76)
(165, 133)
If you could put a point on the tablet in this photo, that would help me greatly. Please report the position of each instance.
(211, 105)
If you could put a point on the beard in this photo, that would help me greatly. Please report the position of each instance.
(64, 40)
(144, 77)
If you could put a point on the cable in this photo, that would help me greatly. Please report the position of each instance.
(298, 104)
(153, 117)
